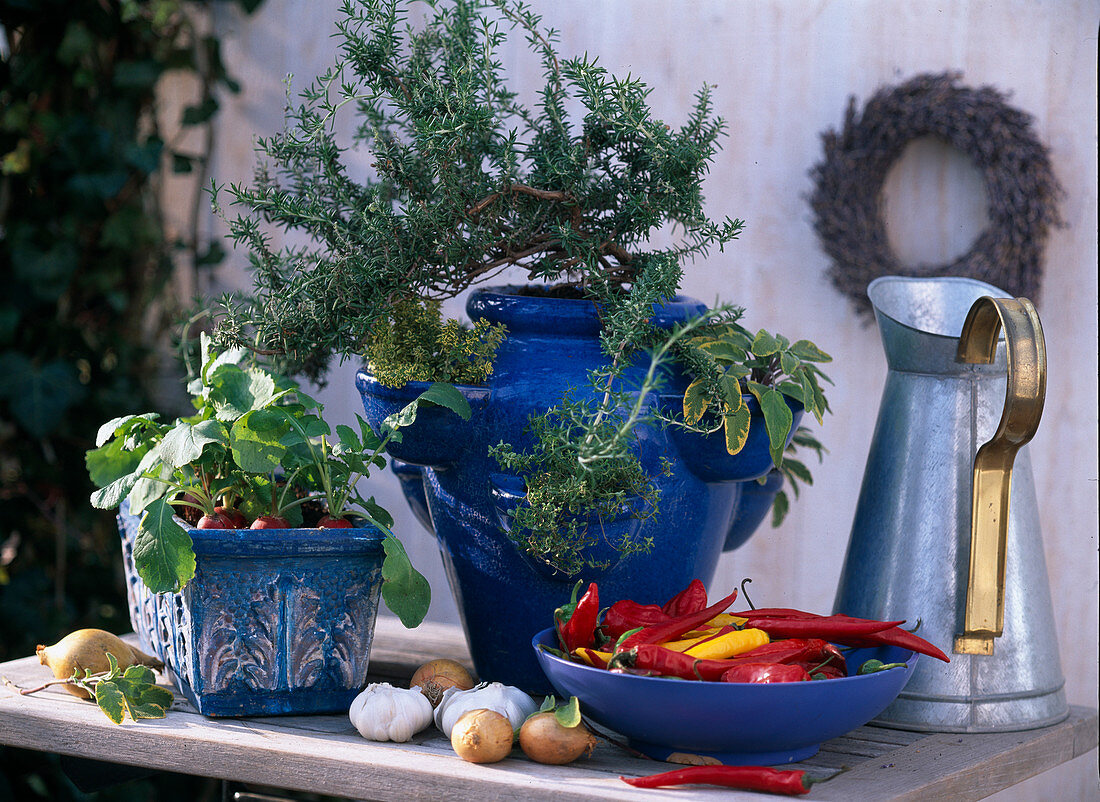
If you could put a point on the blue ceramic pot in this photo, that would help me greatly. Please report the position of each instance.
(458, 490)
(275, 621)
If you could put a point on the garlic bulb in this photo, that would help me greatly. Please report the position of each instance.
(510, 702)
(385, 713)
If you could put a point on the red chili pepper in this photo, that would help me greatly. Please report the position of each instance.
(836, 628)
(895, 636)
(748, 778)
(689, 600)
(626, 615)
(796, 650)
(775, 612)
(576, 621)
(658, 660)
(766, 672)
(673, 628)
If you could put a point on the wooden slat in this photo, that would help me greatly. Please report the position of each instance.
(324, 754)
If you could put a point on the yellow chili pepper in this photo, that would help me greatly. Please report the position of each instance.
(720, 646)
(592, 657)
(714, 625)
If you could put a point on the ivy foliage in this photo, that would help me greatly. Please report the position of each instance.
(84, 254)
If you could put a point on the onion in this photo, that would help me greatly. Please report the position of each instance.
(86, 649)
(510, 702)
(436, 676)
(543, 739)
(482, 736)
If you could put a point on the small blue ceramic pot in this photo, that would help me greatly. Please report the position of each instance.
(275, 621)
(458, 491)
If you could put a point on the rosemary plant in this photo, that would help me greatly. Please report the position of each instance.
(467, 183)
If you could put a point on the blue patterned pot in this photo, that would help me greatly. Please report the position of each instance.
(457, 490)
(275, 621)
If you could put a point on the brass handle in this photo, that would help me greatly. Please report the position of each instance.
(1026, 392)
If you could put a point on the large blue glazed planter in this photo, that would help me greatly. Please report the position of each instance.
(274, 622)
(456, 490)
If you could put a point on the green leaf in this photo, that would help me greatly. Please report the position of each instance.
(110, 496)
(256, 440)
(789, 363)
(235, 391)
(765, 344)
(163, 552)
(404, 589)
(778, 420)
(731, 389)
(736, 429)
(377, 513)
(112, 461)
(148, 489)
(780, 507)
(569, 714)
(371, 441)
(139, 673)
(184, 444)
(119, 425)
(695, 402)
(111, 700)
(447, 395)
(722, 351)
(406, 416)
(808, 352)
(757, 389)
(349, 439)
(797, 470)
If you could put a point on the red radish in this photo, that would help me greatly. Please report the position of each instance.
(270, 522)
(328, 522)
(215, 521)
(233, 514)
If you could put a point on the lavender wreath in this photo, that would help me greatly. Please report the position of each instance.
(1020, 184)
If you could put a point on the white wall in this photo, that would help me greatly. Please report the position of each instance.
(784, 71)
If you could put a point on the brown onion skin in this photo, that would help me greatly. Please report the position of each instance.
(482, 736)
(436, 676)
(544, 740)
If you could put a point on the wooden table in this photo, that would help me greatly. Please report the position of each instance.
(324, 754)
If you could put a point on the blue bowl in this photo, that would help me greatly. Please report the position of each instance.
(734, 723)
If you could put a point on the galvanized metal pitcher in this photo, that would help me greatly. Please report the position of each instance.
(946, 530)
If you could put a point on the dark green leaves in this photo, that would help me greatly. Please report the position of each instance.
(728, 361)
(446, 395)
(132, 692)
(404, 589)
(162, 550)
(256, 440)
(186, 441)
